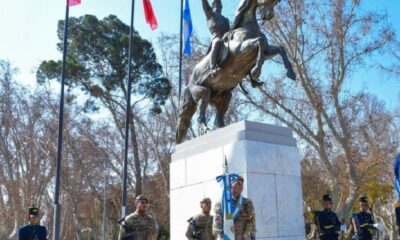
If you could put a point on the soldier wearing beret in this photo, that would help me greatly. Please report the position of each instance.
(33, 230)
(139, 225)
(244, 221)
(327, 221)
(200, 226)
(363, 221)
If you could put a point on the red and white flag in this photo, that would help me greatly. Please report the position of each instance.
(71, 3)
(149, 14)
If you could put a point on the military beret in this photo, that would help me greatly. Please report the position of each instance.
(204, 200)
(239, 178)
(33, 210)
(327, 197)
(142, 198)
(363, 198)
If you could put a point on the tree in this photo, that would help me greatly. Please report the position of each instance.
(26, 149)
(327, 42)
(92, 148)
(394, 67)
(97, 64)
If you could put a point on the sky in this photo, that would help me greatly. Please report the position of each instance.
(28, 33)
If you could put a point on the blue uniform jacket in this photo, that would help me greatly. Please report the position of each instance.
(364, 220)
(329, 225)
(32, 232)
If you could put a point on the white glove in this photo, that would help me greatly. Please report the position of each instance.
(378, 226)
(343, 228)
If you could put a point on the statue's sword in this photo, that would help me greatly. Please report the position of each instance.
(227, 202)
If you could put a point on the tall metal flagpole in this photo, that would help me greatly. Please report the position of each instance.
(105, 199)
(128, 116)
(180, 55)
(57, 207)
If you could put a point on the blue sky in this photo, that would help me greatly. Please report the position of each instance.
(28, 32)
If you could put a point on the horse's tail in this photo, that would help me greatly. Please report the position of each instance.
(186, 111)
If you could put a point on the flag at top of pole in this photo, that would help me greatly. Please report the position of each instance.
(187, 29)
(71, 3)
(149, 14)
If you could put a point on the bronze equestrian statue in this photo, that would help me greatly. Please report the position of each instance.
(241, 56)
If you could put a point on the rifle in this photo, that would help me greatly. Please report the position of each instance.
(196, 232)
(129, 233)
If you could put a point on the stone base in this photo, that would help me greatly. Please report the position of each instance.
(268, 159)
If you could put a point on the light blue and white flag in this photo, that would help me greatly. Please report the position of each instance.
(396, 168)
(187, 29)
(228, 209)
(397, 176)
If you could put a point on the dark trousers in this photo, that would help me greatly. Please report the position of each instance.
(365, 235)
(329, 236)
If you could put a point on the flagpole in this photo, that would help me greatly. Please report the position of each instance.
(57, 206)
(180, 55)
(104, 232)
(128, 116)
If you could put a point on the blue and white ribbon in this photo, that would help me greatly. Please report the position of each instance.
(228, 209)
(238, 207)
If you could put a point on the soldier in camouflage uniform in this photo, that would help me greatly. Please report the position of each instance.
(139, 224)
(245, 223)
(200, 226)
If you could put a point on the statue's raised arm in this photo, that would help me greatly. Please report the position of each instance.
(207, 8)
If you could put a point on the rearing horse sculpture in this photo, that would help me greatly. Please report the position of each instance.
(245, 49)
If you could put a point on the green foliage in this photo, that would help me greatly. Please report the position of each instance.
(378, 192)
(97, 62)
(90, 106)
(163, 233)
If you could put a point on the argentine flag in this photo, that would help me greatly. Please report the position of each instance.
(397, 186)
(187, 29)
(397, 176)
(228, 210)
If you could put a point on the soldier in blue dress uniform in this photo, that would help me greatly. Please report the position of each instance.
(327, 221)
(33, 230)
(363, 221)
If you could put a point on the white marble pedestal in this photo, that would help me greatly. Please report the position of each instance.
(268, 159)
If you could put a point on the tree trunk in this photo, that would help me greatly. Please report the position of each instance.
(136, 159)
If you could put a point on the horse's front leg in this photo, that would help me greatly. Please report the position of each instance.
(272, 51)
(221, 102)
(201, 96)
(256, 71)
